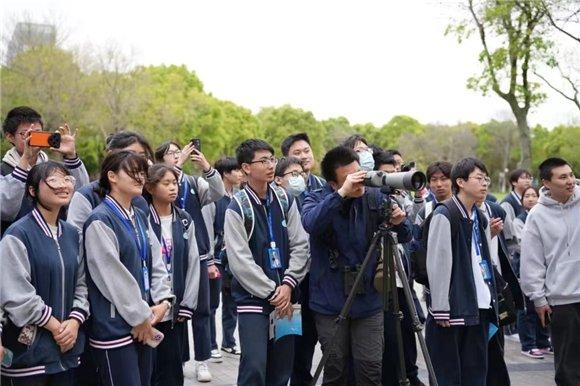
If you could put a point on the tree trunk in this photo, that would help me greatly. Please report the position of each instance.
(525, 138)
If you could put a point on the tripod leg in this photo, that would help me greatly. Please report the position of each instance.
(417, 326)
(396, 311)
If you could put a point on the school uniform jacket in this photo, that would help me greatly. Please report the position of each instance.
(185, 268)
(41, 277)
(86, 199)
(194, 194)
(512, 206)
(452, 292)
(254, 281)
(117, 292)
(214, 216)
(14, 200)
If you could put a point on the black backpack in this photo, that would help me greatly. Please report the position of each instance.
(419, 255)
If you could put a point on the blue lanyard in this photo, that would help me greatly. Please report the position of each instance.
(140, 238)
(477, 235)
(183, 197)
(270, 221)
(166, 254)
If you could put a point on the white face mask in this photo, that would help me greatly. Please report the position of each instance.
(296, 185)
(366, 161)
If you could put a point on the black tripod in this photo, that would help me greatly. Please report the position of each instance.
(386, 240)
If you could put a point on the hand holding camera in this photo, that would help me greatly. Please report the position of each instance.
(353, 186)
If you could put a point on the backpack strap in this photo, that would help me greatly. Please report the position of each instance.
(247, 211)
(455, 215)
(283, 200)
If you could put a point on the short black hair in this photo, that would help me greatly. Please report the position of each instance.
(290, 140)
(128, 161)
(335, 158)
(163, 149)
(443, 167)
(550, 164)
(351, 141)
(226, 165)
(40, 172)
(383, 158)
(18, 116)
(463, 168)
(247, 150)
(284, 163)
(123, 139)
(516, 174)
(394, 152)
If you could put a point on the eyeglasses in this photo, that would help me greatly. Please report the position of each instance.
(53, 181)
(295, 173)
(266, 161)
(482, 180)
(173, 152)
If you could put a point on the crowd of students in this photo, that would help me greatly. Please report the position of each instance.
(99, 280)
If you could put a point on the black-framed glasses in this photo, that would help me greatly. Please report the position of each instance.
(295, 173)
(266, 161)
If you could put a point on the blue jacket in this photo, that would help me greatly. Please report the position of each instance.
(452, 292)
(340, 228)
(116, 277)
(254, 279)
(41, 277)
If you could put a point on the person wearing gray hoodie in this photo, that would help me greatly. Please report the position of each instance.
(550, 262)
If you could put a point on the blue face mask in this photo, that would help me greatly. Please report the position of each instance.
(366, 161)
(296, 185)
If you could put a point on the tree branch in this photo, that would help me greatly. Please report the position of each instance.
(574, 99)
(555, 25)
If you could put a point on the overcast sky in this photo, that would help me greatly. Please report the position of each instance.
(365, 60)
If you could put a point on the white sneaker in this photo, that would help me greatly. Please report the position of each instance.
(216, 357)
(203, 374)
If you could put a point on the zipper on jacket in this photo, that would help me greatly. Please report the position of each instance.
(55, 238)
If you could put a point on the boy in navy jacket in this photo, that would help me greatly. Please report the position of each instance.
(462, 300)
(268, 256)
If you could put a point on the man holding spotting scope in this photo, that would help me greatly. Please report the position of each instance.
(341, 219)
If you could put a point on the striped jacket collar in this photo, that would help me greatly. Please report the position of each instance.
(44, 225)
(155, 216)
(115, 203)
(517, 198)
(461, 208)
(254, 196)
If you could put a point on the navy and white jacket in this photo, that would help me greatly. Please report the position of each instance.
(452, 293)
(254, 281)
(185, 266)
(340, 235)
(86, 199)
(41, 276)
(512, 204)
(119, 300)
(194, 194)
(15, 204)
(214, 216)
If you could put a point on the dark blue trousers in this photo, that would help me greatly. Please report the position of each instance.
(128, 365)
(214, 302)
(66, 378)
(263, 361)
(532, 334)
(459, 353)
(201, 318)
(167, 366)
(229, 318)
(304, 344)
(87, 372)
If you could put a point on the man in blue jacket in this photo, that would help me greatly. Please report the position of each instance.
(341, 222)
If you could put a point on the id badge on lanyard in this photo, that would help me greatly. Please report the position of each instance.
(274, 257)
(483, 264)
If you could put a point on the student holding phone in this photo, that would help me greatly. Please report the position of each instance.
(127, 283)
(20, 126)
(194, 193)
(42, 285)
(175, 232)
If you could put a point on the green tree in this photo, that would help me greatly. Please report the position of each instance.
(518, 29)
